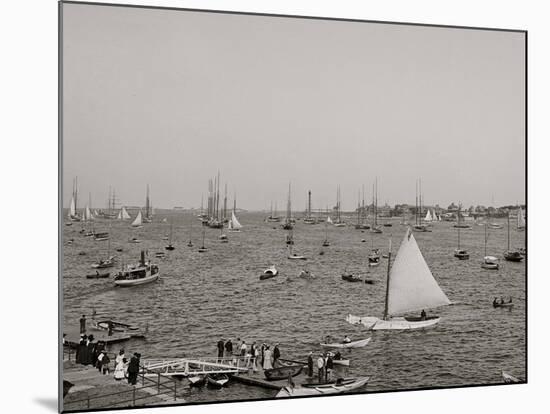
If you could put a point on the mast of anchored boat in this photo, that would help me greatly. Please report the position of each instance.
(387, 284)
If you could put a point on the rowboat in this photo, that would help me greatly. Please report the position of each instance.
(104, 263)
(197, 380)
(269, 273)
(217, 380)
(509, 379)
(355, 344)
(98, 275)
(295, 256)
(348, 277)
(306, 274)
(281, 373)
(503, 305)
(116, 326)
(338, 387)
(134, 240)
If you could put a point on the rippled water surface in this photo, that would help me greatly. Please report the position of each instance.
(202, 296)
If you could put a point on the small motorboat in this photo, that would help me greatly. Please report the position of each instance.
(510, 379)
(139, 274)
(374, 257)
(197, 380)
(339, 386)
(345, 345)
(269, 273)
(134, 240)
(490, 263)
(217, 380)
(461, 254)
(98, 275)
(170, 247)
(295, 256)
(282, 372)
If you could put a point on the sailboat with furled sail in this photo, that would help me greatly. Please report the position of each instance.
(73, 215)
(410, 287)
(339, 222)
(287, 225)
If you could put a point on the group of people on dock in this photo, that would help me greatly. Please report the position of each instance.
(254, 355)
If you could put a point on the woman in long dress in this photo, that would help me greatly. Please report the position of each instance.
(120, 369)
(267, 358)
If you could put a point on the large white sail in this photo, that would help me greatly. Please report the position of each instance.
(119, 216)
(234, 222)
(138, 221)
(412, 286)
(87, 214)
(428, 216)
(521, 219)
(124, 214)
(329, 221)
(72, 208)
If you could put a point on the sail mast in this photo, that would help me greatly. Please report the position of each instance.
(387, 284)
(508, 215)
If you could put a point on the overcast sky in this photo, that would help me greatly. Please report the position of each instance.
(168, 98)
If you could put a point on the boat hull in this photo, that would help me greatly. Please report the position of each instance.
(137, 282)
(281, 373)
(354, 344)
(395, 324)
(323, 389)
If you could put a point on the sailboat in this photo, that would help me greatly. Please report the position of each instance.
(459, 220)
(202, 249)
(273, 217)
(233, 225)
(326, 243)
(374, 256)
(428, 218)
(460, 254)
(375, 228)
(109, 261)
(511, 255)
(138, 221)
(170, 245)
(410, 287)
(419, 225)
(123, 214)
(148, 208)
(521, 220)
(489, 262)
(361, 214)
(288, 219)
(338, 222)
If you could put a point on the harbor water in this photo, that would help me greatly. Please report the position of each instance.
(201, 297)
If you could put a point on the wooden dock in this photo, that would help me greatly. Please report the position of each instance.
(73, 335)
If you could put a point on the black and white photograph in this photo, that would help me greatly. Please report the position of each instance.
(264, 207)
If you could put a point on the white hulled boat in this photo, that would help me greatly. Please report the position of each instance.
(140, 274)
(410, 287)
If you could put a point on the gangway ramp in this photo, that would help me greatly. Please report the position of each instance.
(197, 366)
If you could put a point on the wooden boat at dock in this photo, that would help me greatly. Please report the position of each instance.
(339, 386)
(217, 380)
(343, 345)
(282, 372)
(197, 380)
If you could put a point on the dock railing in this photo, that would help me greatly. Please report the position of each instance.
(164, 385)
(196, 366)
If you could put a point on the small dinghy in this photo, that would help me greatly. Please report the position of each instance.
(101, 236)
(190, 244)
(282, 372)
(217, 380)
(103, 264)
(98, 275)
(197, 380)
(461, 254)
(160, 255)
(339, 386)
(169, 247)
(306, 274)
(509, 379)
(119, 249)
(269, 273)
(502, 304)
(134, 240)
(349, 277)
(354, 344)
(490, 263)
(295, 256)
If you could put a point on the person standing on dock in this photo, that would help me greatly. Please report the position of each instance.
(320, 366)
(243, 349)
(220, 349)
(254, 355)
(263, 353)
(229, 348)
(133, 369)
(276, 354)
(310, 364)
(329, 367)
(267, 358)
(83, 324)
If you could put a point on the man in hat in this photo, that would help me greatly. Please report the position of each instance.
(220, 348)
(276, 354)
(91, 350)
(329, 366)
(229, 348)
(310, 364)
(83, 324)
(320, 366)
(133, 369)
